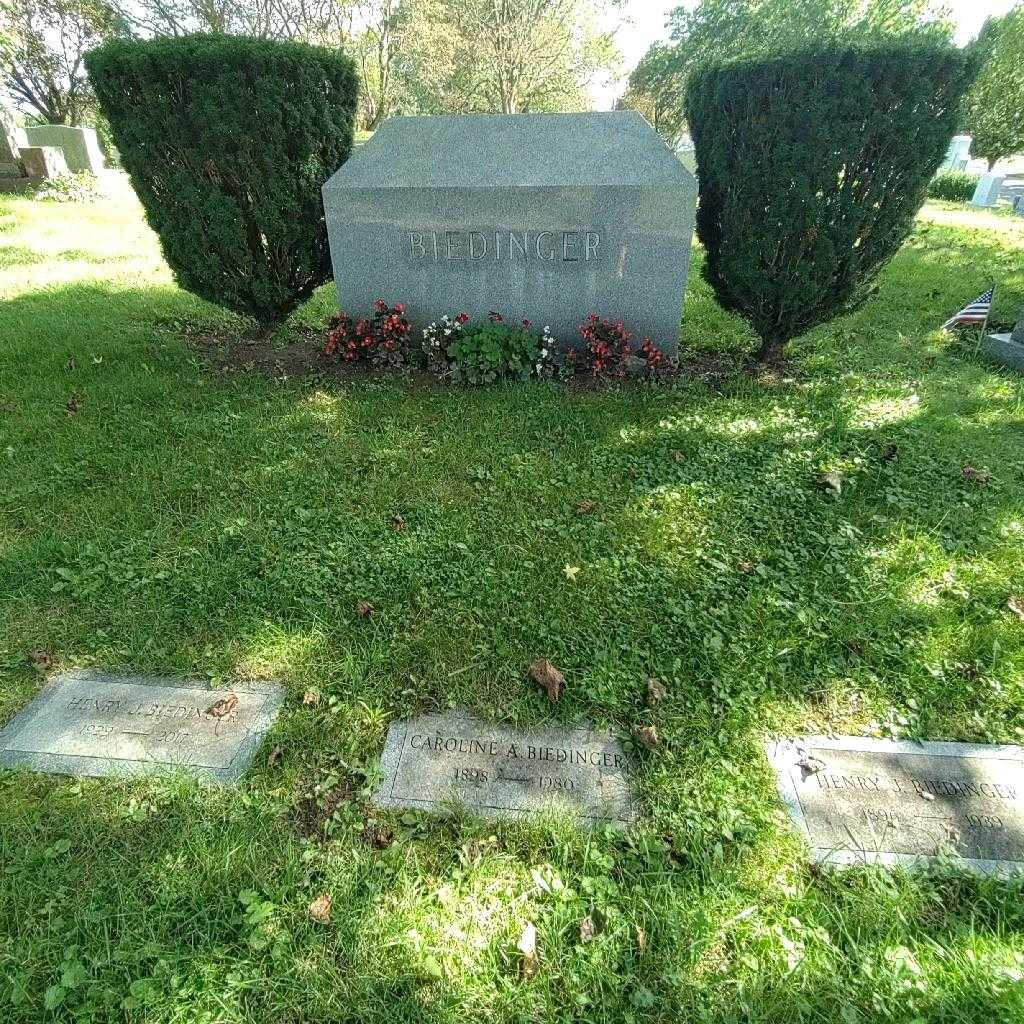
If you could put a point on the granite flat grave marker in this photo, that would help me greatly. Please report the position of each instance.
(90, 723)
(436, 760)
(546, 217)
(869, 801)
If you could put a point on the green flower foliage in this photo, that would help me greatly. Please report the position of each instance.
(228, 141)
(811, 168)
(491, 351)
(953, 186)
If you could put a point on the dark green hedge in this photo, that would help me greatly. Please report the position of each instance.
(953, 186)
(228, 141)
(811, 167)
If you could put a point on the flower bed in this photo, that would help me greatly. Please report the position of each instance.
(458, 350)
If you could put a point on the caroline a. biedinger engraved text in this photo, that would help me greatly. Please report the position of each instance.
(581, 246)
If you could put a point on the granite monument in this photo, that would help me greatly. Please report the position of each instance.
(451, 758)
(1007, 348)
(546, 217)
(869, 801)
(91, 723)
(80, 146)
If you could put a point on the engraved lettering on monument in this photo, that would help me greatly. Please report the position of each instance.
(494, 770)
(860, 800)
(88, 723)
(545, 217)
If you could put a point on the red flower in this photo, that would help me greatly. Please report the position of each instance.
(399, 308)
(462, 318)
(527, 324)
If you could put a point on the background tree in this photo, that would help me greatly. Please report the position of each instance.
(507, 56)
(718, 30)
(42, 49)
(994, 111)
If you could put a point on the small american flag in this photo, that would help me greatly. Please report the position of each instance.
(976, 312)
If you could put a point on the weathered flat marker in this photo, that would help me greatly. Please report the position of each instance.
(91, 723)
(870, 801)
(455, 758)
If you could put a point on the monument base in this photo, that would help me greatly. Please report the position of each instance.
(1003, 349)
(18, 184)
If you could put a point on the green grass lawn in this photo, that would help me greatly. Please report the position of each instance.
(174, 519)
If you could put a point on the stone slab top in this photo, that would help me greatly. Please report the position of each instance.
(860, 800)
(94, 723)
(441, 760)
(513, 151)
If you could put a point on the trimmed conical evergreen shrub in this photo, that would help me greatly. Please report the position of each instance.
(227, 141)
(812, 166)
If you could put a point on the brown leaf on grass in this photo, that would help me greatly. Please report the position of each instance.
(585, 507)
(981, 477)
(74, 404)
(588, 929)
(397, 523)
(223, 707)
(320, 908)
(311, 698)
(530, 963)
(677, 456)
(275, 757)
(1016, 605)
(641, 938)
(648, 736)
(547, 676)
(747, 566)
(364, 609)
(656, 691)
(41, 659)
(378, 835)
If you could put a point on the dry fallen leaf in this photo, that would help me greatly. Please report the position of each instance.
(1016, 605)
(41, 659)
(656, 691)
(571, 572)
(587, 929)
(641, 938)
(364, 609)
(546, 675)
(810, 765)
(320, 908)
(378, 835)
(397, 523)
(275, 757)
(891, 453)
(648, 736)
(74, 404)
(981, 477)
(530, 964)
(223, 707)
(311, 698)
(677, 456)
(747, 566)
(585, 507)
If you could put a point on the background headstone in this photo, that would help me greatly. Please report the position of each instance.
(41, 162)
(1018, 331)
(987, 192)
(497, 771)
(10, 161)
(91, 723)
(548, 217)
(81, 147)
(868, 801)
(958, 154)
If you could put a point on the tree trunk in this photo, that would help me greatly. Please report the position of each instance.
(770, 350)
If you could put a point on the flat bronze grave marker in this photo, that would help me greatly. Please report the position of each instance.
(438, 760)
(91, 723)
(869, 801)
